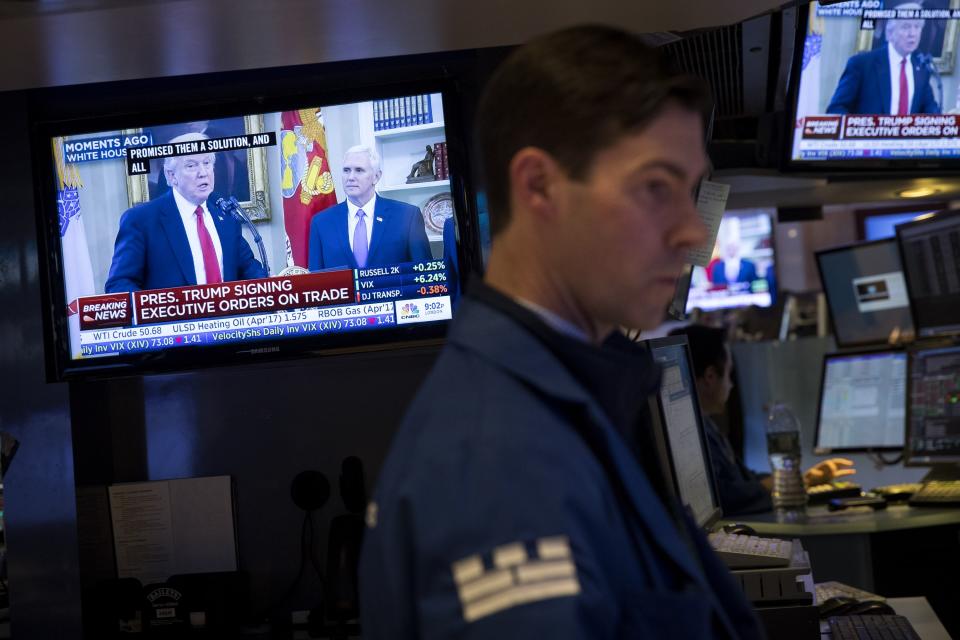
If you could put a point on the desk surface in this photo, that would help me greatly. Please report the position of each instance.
(818, 521)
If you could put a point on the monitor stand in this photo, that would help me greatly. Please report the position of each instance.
(943, 472)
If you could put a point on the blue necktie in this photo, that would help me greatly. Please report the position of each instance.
(360, 240)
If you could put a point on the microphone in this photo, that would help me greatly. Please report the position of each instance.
(231, 207)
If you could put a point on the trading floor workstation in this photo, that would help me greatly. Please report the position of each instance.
(186, 370)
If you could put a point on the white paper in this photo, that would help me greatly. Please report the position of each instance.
(711, 203)
(142, 531)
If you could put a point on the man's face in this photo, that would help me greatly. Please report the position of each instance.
(359, 178)
(193, 177)
(626, 228)
(905, 35)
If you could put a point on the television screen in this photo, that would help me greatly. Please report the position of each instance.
(741, 272)
(866, 293)
(321, 225)
(875, 84)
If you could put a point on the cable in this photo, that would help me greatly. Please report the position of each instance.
(880, 462)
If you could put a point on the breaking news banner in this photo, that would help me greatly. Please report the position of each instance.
(295, 306)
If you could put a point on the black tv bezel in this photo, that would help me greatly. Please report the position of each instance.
(662, 438)
(936, 217)
(774, 292)
(910, 459)
(833, 319)
(245, 93)
(852, 168)
(818, 450)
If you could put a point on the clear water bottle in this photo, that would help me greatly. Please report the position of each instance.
(783, 446)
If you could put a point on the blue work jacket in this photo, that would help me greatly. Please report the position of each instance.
(510, 507)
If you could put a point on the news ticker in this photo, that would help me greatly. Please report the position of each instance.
(301, 323)
(714, 301)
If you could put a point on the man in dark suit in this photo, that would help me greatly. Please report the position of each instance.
(366, 230)
(182, 238)
(894, 79)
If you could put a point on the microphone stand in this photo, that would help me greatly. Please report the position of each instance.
(927, 60)
(233, 208)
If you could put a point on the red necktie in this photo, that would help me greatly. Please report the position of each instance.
(904, 107)
(210, 263)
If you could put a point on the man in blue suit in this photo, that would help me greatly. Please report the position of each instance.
(366, 230)
(522, 496)
(181, 238)
(894, 79)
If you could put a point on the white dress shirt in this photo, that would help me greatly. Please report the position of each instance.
(189, 220)
(895, 59)
(353, 219)
(731, 269)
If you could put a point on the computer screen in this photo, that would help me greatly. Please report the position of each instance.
(866, 292)
(877, 226)
(933, 428)
(849, 67)
(930, 249)
(741, 272)
(686, 447)
(863, 398)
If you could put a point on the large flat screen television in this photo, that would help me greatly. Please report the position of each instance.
(873, 86)
(742, 270)
(225, 232)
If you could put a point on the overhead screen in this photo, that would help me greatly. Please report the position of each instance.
(876, 84)
(279, 253)
(742, 271)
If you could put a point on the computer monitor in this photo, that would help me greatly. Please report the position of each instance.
(880, 225)
(863, 398)
(866, 292)
(681, 435)
(933, 428)
(930, 249)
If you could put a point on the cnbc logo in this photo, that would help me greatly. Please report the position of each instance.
(409, 310)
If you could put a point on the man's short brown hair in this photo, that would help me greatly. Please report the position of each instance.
(573, 93)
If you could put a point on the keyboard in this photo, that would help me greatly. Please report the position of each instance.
(740, 551)
(824, 493)
(898, 492)
(871, 628)
(937, 493)
(833, 589)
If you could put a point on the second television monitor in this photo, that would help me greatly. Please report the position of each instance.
(742, 271)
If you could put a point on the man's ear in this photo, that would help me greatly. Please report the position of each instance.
(534, 181)
(711, 374)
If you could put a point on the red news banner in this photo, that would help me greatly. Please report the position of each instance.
(214, 300)
(867, 127)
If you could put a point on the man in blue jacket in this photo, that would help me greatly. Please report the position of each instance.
(522, 496)
(181, 238)
(366, 229)
(893, 79)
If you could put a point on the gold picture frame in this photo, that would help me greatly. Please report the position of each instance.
(944, 61)
(257, 207)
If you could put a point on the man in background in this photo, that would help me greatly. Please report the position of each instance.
(741, 489)
(366, 230)
(893, 79)
(181, 238)
(521, 497)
